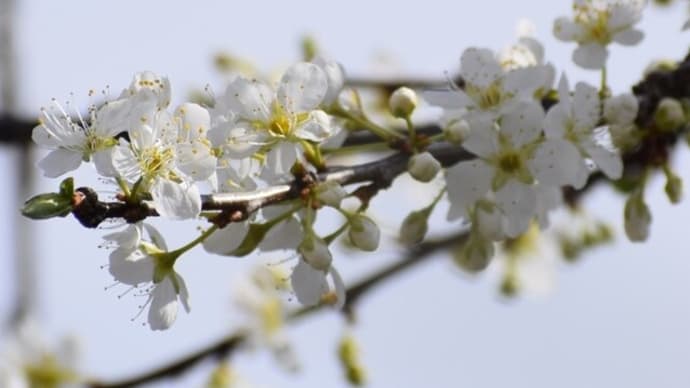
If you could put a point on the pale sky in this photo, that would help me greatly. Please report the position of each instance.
(619, 317)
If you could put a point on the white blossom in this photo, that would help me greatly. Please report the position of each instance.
(597, 23)
(145, 265)
(489, 90)
(573, 124)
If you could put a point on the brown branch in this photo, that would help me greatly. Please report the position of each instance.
(91, 211)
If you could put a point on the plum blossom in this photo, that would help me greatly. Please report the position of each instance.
(73, 141)
(597, 23)
(277, 123)
(145, 264)
(489, 90)
(574, 124)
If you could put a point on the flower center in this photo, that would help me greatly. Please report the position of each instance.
(509, 162)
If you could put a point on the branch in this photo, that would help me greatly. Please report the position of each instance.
(239, 206)
(226, 346)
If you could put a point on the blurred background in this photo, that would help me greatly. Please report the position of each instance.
(618, 316)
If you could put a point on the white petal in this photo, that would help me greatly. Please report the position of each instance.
(177, 201)
(335, 77)
(60, 161)
(586, 106)
(163, 306)
(302, 88)
(482, 139)
(316, 128)
(590, 56)
(339, 288)
(103, 160)
(566, 30)
(524, 81)
(194, 121)
(280, 159)
(480, 67)
(608, 161)
(628, 37)
(557, 163)
(449, 99)
(557, 121)
(467, 182)
(130, 272)
(182, 291)
(622, 16)
(225, 241)
(518, 203)
(195, 160)
(523, 124)
(286, 235)
(308, 283)
(250, 99)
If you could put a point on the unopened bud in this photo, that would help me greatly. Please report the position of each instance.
(457, 131)
(49, 205)
(637, 218)
(414, 227)
(402, 102)
(621, 109)
(423, 167)
(364, 234)
(315, 252)
(476, 254)
(669, 114)
(330, 193)
(674, 188)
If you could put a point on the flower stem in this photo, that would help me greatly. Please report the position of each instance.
(203, 236)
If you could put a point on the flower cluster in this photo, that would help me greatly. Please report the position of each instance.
(524, 155)
(527, 138)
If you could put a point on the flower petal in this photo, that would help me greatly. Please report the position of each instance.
(308, 283)
(60, 161)
(480, 67)
(177, 201)
(590, 56)
(163, 306)
(467, 182)
(302, 88)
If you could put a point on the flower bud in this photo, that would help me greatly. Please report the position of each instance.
(330, 193)
(674, 188)
(423, 167)
(457, 131)
(637, 218)
(364, 234)
(402, 102)
(49, 205)
(476, 254)
(414, 227)
(621, 109)
(315, 252)
(669, 114)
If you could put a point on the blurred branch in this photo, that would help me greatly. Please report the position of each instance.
(224, 347)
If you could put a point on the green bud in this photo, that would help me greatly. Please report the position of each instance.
(510, 285)
(49, 205)
(309, 48)
(674, 188)
(349, 358)
(475, 255)
(637, 218)
(415, 226)
(669, 115)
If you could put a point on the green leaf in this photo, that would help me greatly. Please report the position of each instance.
(254, 236)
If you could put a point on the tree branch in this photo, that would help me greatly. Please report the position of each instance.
(226, 346)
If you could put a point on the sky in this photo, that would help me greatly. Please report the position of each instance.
(618, 317)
